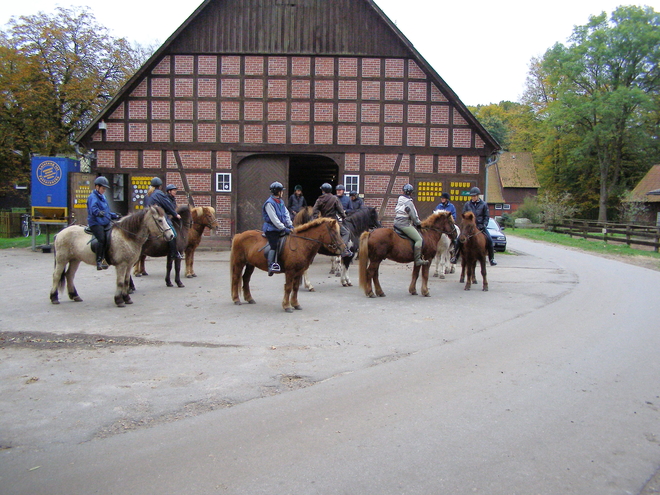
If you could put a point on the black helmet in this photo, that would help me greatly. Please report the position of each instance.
(276, 187)
(102, 181)
(408, 189)
(475, 191)
(155, 182)
(326, 188)
(298, 188)
(445, 195)
(353, 193)
(340, 187)
(170, 187)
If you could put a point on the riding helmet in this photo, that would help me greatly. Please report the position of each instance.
(102, 181)
(353, 193)
(326, 188)
(475, 191)
(276, 187)
(170, 187)
(298, 188)
(408, 189)
(156, 182)
(445, 195)
(340, 187)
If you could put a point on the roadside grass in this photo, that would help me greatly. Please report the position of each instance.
(23, 242)
(601, 247)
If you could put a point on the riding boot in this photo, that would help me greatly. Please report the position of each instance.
(99, 263)
(491, 251)
(457, 252)
(417, 253)
(174, 253)
(273, 266)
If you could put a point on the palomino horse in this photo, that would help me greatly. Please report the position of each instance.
(300, 247)
(473, 249)
(157, 248)
(202, 217)
(73, 245)
(443, 255)
(357, 222)
(387, 244)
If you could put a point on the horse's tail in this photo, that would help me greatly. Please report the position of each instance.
(364, 259)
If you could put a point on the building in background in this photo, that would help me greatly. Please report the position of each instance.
(511, 180)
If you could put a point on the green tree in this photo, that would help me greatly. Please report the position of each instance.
(513, 125)
(597, 99)
(56, 72)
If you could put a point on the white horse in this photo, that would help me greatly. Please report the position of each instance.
(443, 255)
(73, 246)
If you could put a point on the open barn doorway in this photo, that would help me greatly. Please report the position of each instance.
(310, 171)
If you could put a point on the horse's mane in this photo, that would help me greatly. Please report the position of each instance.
(429, 221)
(469, 222)
(186, 215)
(131, 224)
(303, 216)
(360, 219)
(314, 223)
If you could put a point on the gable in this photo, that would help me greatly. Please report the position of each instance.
(517, 170)
(650, 182)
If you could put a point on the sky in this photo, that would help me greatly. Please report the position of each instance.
(481, 48)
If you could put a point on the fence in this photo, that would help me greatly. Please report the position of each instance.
(642, 235)
(10, 224)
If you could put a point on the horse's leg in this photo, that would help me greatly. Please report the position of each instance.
(58, 281)
(70, 275)
(247, 295)
(131, 285)
(139, 266)
(436, 259)
(474, 272)
(483, 273)
(463, 270)
(373, 267)
(236, 270)
(308, 285)
(177, 273)
(168, 271)
(425, 280)
(127, 284)
(119, 290)
(294, 292)
(345, 265)
(288, 287)
(470, 273)
(413, 281)
(190, 259)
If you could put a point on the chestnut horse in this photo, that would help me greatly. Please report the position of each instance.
(385, 243)
(473, 249)
(300, 247)
(202, 217)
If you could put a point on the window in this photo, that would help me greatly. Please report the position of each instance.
(223, 182)
(506, 207)
(352, 183)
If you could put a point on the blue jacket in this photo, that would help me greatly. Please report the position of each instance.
(448, 207)
(345, 202)
(281, 213)
(163, 200)
(98, 210)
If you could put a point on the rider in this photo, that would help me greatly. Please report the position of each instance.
(343, 199)
(480, 209)
(296, 201)
(276, 222)
(329, 206)
(445, 205)
(406, 220)
(356, 201)
(167, 202)
(98, 219)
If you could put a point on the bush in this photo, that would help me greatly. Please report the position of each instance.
(530, 209)
(554, 209)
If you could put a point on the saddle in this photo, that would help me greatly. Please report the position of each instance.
(403, 235)
(94, 242)
(280, 245)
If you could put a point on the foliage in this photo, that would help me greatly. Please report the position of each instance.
(530, 209)
(56, 72)
(631, 211)
(598, 99)
(554, 209)
(513, 125)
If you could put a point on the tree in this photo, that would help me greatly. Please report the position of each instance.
(56, 72)
(598, 98)
(513, 125)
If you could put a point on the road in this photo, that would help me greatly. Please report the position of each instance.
(546, 384)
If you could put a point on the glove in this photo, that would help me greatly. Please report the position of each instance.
(101, 213)
(287, 230)
(418, 224)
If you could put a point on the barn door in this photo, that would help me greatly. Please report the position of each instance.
(255, 175)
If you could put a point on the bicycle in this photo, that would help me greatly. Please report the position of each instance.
(26, 226)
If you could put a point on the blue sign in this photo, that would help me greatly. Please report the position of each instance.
(48, 173)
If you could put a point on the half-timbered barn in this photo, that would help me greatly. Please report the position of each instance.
(247, 92)
(510, 180)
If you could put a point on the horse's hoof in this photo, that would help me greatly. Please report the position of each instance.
(54, 301)
(120, 304)
(372, 295)
(299, 307)
(131, 291)
(179, 284)
(485, 289)
(169, 284)
(381, 295)
(237, 303)
(349, 284)
(428, 294)
(288, 310)
(77, 299)
(190, 276)
(137, 274)
(194, 275)
(442, 276)
(413, 293)
(128, 301)
(252, 301)
(436, 275)
(312, 289)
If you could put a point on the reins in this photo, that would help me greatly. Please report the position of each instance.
(330, 245)
(148, 236)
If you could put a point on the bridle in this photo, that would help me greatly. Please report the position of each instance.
(333, 245)
(148, 236)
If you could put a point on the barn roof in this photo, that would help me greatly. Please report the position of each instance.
(313, 27)
(517, 170)
(647, 189)
(494, 193)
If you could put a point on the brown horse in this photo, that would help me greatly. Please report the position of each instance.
(202, 217)
(300, 247)
(385, 243)
(73, 246)
(474, 249)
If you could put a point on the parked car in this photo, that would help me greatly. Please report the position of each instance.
(495, 231)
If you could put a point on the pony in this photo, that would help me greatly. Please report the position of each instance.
(474, 249)
(297, 253)
(202, 217)
(385, 243)
(73, 245)
(356, 222)
(443, 254)
(157, 248)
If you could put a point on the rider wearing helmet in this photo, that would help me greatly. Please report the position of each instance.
(330, 206)
(340, 192)
(98, 219)
(480, 209)
(277, 222)
(155, 196)
(406, 220)
(356, 201)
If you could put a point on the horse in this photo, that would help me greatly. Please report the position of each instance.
(443, 255)
(298, 251)
(357, 222)
(73, 245)
(385, 243)
(474, 249)
(202, 217)
(157, 248)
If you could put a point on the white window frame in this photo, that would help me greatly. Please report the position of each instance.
(352, 178)
(223, 179)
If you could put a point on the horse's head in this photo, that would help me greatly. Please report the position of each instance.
(158, 225)
(205, 216)
(468, 218)
(374, 221)
(323, 230)
(441, 221)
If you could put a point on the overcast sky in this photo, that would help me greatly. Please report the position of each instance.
(481, 48)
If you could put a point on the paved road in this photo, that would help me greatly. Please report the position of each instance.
(546, 384)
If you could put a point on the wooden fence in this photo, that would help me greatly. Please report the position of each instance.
(10, 224)
(642, 235)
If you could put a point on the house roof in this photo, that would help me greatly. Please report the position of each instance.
(517, 170)
(647, 189)
(494, 192)
(213, 41)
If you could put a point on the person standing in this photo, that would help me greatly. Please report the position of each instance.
(276, 223)
(296, 201)
(167, 202)
(356, 201)
(480, 209)
(328, 205)
(98, 219)
(407, 220)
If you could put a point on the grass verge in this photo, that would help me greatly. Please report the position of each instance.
(23, 242)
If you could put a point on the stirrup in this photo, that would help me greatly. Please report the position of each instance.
(273, 268)
(453, 260)
(421, 262)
